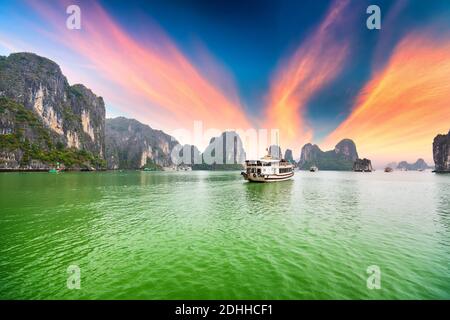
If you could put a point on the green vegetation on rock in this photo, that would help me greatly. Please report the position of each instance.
(41, 148)
(329, 161)
(152, 166)
(341, 158)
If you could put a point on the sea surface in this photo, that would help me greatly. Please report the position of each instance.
(210, 235)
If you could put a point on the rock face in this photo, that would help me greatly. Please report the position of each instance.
(225, 152)
(45, 120)
(362, 165)
(310, 153)
(346, 149)
(288, 156)
(341, 158)
(133, 145)
(441, 152)
(420, 164)
(275, 152)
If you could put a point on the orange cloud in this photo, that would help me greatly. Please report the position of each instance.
(405, 105)
(313, 65)
(156, 82)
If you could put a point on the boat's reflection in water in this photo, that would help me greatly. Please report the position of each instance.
(276, 195)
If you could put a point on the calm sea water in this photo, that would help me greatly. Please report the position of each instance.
(210, 235)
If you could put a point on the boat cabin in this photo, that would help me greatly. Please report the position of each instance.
(268, 166)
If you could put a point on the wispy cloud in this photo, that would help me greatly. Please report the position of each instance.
(405, 105)
(156, 81)
(313, 65)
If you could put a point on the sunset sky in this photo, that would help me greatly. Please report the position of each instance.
(308, 68)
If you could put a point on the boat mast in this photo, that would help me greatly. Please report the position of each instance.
(278, 145)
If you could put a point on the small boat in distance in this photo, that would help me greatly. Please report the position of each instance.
(268, 169)
(55, 170)
(388, 169)
(313, 169)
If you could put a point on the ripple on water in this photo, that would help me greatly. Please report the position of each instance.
(211, 235)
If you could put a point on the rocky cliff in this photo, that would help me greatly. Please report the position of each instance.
(310, 153)
(441, 152)
(341, 158)
(44, 120)
(225, 152)
(288, 156)
(346, 148)
(133, 145)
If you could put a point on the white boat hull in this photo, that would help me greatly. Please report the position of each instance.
(253, 177)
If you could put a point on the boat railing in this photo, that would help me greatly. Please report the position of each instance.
(258, 164)
(267, 164)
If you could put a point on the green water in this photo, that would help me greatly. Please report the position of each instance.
(210, 235)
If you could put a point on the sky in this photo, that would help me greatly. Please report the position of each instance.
(310, 69)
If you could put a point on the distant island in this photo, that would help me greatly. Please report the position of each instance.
(341, 158)
(289, 156)
(419, 165)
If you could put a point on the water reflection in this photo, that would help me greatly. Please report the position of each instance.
(268, 199)
(273, 193)
(348, 210)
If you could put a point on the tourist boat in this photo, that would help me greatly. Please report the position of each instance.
(313, 169)
(388, 169)
(268, 169)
